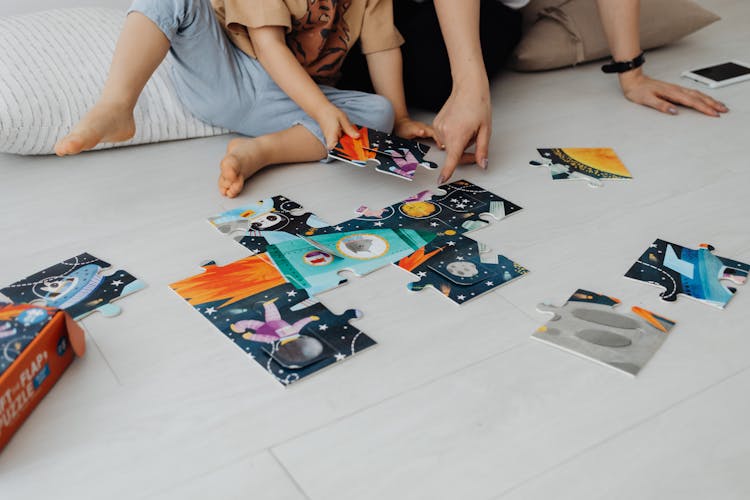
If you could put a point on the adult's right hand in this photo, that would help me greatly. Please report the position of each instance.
(465, 119)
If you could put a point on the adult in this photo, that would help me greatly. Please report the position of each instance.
(457, 46)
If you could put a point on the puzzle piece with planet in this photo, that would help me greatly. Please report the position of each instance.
(589, 164)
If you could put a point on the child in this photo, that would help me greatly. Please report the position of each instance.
(268, 82)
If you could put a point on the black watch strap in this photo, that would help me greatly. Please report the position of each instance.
(623, 66)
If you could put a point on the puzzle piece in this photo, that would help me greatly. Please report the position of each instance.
(695, 273)
(249, 224)
(314, 263)
(460, 268)
(390, 154)
(589, 164)
(76, 285)
(285, 330)
(588, 326)
(19, 325)
(460, 207)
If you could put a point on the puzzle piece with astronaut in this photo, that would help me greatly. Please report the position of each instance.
(588, 326)
(698, 274)
(284, 329)
(80, 285)
(389, 154)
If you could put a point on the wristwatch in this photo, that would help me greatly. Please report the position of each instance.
(623, 66)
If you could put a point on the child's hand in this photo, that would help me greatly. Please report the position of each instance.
(334, 122)
(412, 129)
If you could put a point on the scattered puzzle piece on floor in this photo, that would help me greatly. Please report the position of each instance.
(388, 153)
(588, 326)
(285, 330)
(19, 325)
(695, 273)
(589, 164)
(78, 285)
(248, 224)
(459, 268)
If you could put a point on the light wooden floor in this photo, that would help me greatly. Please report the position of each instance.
(454, 403)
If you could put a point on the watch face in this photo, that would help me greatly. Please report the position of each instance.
(722, 72)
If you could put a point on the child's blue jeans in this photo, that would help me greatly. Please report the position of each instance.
(225, 87)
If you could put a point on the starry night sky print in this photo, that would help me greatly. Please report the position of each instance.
(336, 338)
(75, 285)
(704, 283)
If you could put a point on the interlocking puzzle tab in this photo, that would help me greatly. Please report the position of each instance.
(78, 285)
(695, 273)
(460, 268)
(390, 154)
(588, 326)
(589, 164)
(285, 330)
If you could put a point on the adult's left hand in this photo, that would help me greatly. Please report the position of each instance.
(665, 97)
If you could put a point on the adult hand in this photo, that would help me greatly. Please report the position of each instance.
(664, 96)
(465, 119)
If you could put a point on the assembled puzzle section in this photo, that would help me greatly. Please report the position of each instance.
(587, 325)
(80, 286)
(695, 273)
(389, 154)
(285, 330)
(589, 164)
(311, 255)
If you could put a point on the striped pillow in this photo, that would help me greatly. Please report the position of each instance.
(52, 67)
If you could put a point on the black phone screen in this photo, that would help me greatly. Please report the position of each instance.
(722, 72)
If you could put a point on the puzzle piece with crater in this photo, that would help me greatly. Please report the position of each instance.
(284, 329)
(80, 286)
(589, 164)
(587, 325)
(249, 224)
(695, 273)
(389, 154)
(460, 268)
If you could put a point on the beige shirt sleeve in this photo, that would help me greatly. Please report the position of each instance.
(256, 14)
(378, 31)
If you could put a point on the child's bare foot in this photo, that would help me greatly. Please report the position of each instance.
(244, 157)
(103, 123)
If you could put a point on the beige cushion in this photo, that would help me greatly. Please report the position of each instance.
(571, 32)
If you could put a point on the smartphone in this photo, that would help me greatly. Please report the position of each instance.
(720, 75)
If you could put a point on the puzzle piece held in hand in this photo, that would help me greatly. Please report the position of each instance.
(588, 326)
(589, 164)
(249, 224)
(390, 154)
(285, 330)
(77, 285)
(696, 273)
(460, 268)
